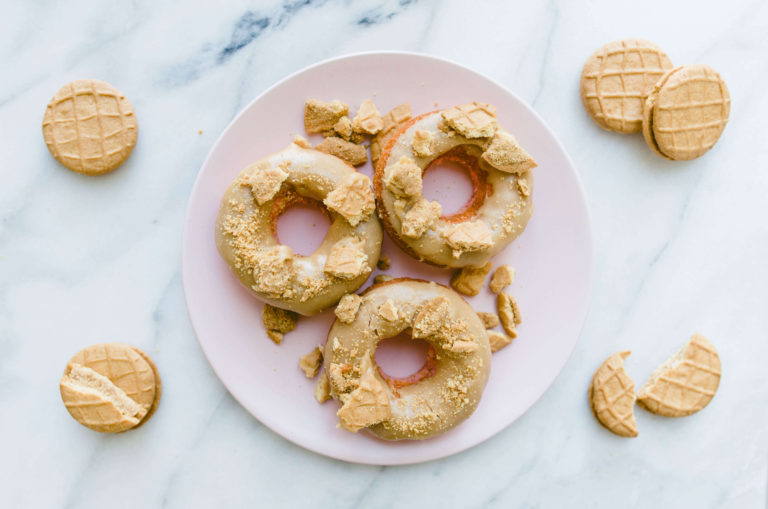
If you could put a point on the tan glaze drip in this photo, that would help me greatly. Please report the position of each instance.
(427, 370)
(461, 157)
(290, 198)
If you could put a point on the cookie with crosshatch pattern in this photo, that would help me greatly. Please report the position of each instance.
(617, 78)
(612, 396)
(686, 112)
(685, 383)
(90, 127)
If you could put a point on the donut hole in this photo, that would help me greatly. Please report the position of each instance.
(402, 357)
(448, 183)
(302, 225)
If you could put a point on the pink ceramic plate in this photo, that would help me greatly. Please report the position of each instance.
(553, 259)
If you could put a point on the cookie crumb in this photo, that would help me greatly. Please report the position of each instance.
(403, 178)
(498, 340)
(420, 218)
(432, 317)
(423, 143)
(388, 311)
(311, 363)
(301, 141)
(265, 182)
(523, 187)
(382, 278)
(505, 154)
(384, 262)
(278, 322)
(469, 280)
(368, 404)
(509, 313)
(468, 236)
(347, 259)
(273, 271)
(323, 388)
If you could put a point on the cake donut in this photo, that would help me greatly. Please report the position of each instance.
(441, 395)
(246, 229)
(501, 201)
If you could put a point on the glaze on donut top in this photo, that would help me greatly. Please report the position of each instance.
(502, 182)
(246, 229)
(441, 395)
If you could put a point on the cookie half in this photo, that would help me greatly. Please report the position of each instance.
(612, 396)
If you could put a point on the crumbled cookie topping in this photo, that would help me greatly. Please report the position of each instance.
(469, 280)
(367, 120)
(388, 311)
(498, 340)
(384, 262)
(339, 376)
(456, 338)
(423, 143)
(523, 187)
(311, 363)
(323, 388)
(301, 141)
(472, 120)
(368, 404)
(505, 154)
(431, 318)
(343, 128)
(490, 320)
(382, 278)
(346, 310)
(321, 116)
(265, 183)
(509, 313)
(352, 198)
(347, 259)
(278, 322)
(345, 150)
(468, 236)
(393, 120)
(273, 271)
(403, 179)
(502, 278)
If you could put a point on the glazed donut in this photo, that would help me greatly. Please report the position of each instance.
(441, 395)
(246, 229)
(501, 201)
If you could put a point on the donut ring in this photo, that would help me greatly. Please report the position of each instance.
(438, 397)
(246, 229)
(497, 212)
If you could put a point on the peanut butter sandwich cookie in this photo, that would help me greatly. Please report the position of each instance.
(89, 127)
(612, 396)
(111, 387)
(617, 78)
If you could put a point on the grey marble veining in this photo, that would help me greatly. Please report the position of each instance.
(680, 247)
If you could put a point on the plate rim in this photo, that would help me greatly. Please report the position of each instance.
(196, 189)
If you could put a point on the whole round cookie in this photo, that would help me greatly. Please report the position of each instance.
(89, 127)
(617, 78)
(686, 112)
(110, 387)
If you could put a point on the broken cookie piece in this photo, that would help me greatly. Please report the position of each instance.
(368, 404)
(382, 278)
(472, 120)
(469, 280)
(345, 150)
(347, 259)
(468, 236)
(420, 218)
(367, 120)
(505, 154)
(346, 310)
(433, 316)
(321, 116)
(403, 179)
(384, 262)
(490, 320)
(502, 278)
(388, 311)
(352, 198)
(323, 388)
(273, 271)
(278, 322)
(311, 363)
(498, 340)
(265, 183)
(509, 313)
(423, 144)
(301, 142)
(393, 121)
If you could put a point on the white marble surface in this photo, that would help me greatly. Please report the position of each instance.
(680, 247)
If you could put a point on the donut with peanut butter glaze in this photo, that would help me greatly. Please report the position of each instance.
(502, 186)
(442, 394)
(246, 229)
